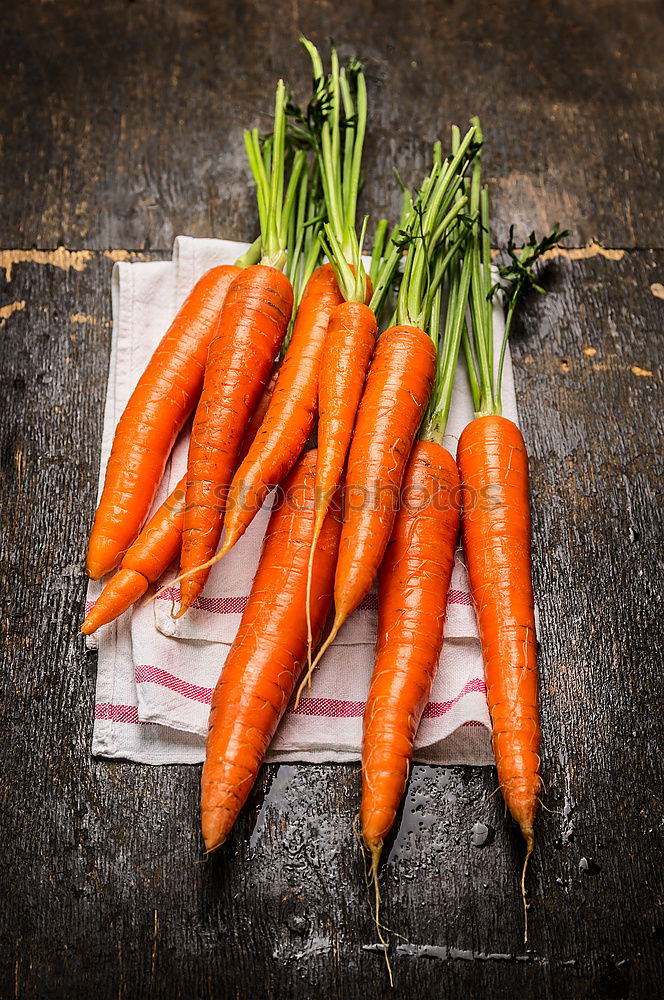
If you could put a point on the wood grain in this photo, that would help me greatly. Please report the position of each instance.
(122, 123)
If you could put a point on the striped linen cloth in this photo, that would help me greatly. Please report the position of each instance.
(155, 674)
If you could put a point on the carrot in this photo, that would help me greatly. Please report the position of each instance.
(263, 664)
(348, 349)
(252, 326)
(290, 417)
(151, 554)
(349, 344)
(414, 581)
(158, 543)
(351, 333)
(157, 409)
(496, 536)
(413, 585)
(496, 530)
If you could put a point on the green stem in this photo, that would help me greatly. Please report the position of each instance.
(257, 166)
(503, 349)
(358, 145)
(384, 279)
(268, 169)
(482, 321)
(297, 170)
(432, 226)
(435, 429)
(296, 230)
(480, 333)
(250, 256)
(442, 266)
(486, 274)
(434, 320)
(378, 248)
(471, 366)
(360, 274)
(339, 141)
(342, 269)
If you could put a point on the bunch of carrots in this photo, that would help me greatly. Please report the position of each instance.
(266, 351)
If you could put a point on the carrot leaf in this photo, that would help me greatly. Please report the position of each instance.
(334, 125)
(267, 160)
(518, 278)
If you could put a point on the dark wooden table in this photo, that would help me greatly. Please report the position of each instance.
(121, 127)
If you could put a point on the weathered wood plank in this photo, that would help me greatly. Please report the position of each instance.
(107, 895)
(122, 123)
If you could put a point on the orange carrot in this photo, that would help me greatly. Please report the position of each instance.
(151, 554)
(252, 326)
(414, 577)
(414, 581)
(496, 525)
(496, 536)
(349, 344)
(395, 397)
(290, 417)
(340, 119)
(159, 405)
(263, 664)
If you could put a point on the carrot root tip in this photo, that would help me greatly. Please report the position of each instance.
(529, 838)
(376, 851)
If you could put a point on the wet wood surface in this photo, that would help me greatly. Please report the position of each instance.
(120, 128)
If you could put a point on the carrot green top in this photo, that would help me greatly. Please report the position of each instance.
(335, 125)
(430, 249)
(515, 280)
(302, 243)
(267, 160)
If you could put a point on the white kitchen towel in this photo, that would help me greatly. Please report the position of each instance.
(155, 680)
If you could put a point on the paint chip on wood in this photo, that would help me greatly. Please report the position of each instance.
(657, 289)
(590, 351)
(82, 318)
(60, 257)
(124, 255)
(6, 311)
(117, 254)
(592, 249)
(639, 371)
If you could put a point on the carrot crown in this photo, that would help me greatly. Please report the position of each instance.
(485, 371)
(267, 162)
